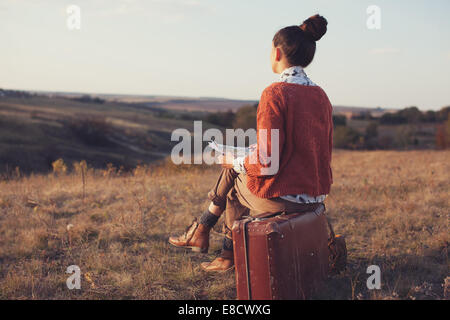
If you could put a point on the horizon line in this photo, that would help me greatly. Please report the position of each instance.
(193, 97)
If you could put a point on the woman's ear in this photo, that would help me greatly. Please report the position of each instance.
(278, 54)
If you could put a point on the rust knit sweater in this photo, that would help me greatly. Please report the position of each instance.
(303, 116)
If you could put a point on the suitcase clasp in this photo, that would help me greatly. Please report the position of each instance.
(272, 228)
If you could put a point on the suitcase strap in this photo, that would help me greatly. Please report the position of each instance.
(320, 209)
(247, 268)
(332, 234)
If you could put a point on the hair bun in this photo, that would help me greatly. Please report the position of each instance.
(315, 27)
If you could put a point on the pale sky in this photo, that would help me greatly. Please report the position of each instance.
(218, 48)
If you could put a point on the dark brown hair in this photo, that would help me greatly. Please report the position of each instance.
(298, 43)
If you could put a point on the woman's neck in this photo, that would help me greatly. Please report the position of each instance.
(281, 66)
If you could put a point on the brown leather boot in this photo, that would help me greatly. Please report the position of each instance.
(223, 263)
(195, 238)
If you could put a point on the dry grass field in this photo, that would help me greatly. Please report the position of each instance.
(393, 207)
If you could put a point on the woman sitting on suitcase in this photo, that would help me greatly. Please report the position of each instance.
(300, 112)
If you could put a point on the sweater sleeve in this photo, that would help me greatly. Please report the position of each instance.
(270, 136)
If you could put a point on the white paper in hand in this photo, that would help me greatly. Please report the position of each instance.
(238, 152)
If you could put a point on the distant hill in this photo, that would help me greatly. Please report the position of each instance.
(208, 104)
(349, 112)
(205, 104)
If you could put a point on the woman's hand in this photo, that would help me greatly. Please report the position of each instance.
(226, 160)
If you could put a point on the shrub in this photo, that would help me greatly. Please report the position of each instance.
(223, 119)
(245, 118)
(59, 167)
(346, 138)
(364, 115)
(93, 131)
(371, 135)
(384, 142)
(392, 118)
(372, 130)
(412, 114)
(430, 116)
(339, 120)
(165, 114)
(405, 137)
(88, 99)
(443, 135)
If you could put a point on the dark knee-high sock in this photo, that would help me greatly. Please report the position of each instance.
(208, 219)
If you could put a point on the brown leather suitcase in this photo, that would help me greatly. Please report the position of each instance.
(281, 257)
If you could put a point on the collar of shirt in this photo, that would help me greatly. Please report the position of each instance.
(295, 74)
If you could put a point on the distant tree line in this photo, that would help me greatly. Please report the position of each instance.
(244, 117)
(413, 115)
(410, 115)
(405, 132)
(15, 93)
(89, 99)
